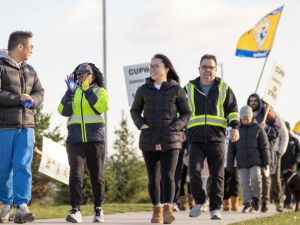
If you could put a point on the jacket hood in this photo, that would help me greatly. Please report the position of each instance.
(165, 85)
(4, 55)
(260, 105)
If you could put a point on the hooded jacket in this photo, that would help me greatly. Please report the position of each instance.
(252, 149)
(14, 82)
(271, 129)
(283, 140)
(160, 109)
(292, 155)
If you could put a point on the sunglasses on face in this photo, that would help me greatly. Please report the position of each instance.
(83, 72)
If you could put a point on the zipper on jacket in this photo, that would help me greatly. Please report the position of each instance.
(83, 126)
(22, 92)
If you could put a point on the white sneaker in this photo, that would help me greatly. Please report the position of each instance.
(175, 207)
(74, 216)
(99, 215)
(196, 210)
(205, 206)
(7, 214)
(23, 215)
(215, 215)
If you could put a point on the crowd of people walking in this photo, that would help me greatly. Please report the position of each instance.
(192, 135)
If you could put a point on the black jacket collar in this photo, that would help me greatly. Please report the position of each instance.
(164, 86)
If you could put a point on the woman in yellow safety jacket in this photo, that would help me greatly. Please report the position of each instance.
(84, 103)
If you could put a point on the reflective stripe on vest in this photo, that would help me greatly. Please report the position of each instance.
(213, 120)
(86, 119)
(233, 116)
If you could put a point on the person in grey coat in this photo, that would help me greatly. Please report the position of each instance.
(252, 156)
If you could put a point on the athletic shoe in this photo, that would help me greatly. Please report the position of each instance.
(175, 207)
(247, 208)
(99, 216)
(215, 215)
(74, 216)
(23, 215)
(279, 208)
(196, 210)
(264, 207)
(7, 214)
(205, 206)
(256, 205)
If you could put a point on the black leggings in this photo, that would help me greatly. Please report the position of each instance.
(231, 184)
(161, 166)
(94, 153)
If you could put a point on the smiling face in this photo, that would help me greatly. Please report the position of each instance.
(84, 70)
(158, 72)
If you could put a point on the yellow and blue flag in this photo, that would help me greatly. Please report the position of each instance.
(258, 41)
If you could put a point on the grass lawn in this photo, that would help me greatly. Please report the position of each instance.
(51, 212)
(286, 218)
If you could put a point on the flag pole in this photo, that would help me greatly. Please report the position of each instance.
(268, 53)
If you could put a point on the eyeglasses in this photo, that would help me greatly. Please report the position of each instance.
(30, 46)
(208, 67)
(153, 67)
(83, 72)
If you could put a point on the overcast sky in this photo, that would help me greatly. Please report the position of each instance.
(69, 32)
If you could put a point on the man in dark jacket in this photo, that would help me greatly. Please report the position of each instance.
(20, 93)
(252, 155)
(213, 104)
(289, 161)
(272, 130)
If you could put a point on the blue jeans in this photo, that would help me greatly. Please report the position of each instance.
(16, 150)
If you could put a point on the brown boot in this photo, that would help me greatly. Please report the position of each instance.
(191, 201)
(168, 215)
(227, 205)
(157, 215)
(182, 203)
(235, 204)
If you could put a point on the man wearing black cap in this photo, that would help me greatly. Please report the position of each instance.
(289, 161)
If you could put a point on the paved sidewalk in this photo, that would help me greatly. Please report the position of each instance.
(143, 218)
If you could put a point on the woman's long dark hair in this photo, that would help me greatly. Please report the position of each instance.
(99, 79)
(172, 74)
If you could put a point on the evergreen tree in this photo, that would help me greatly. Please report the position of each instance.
(42, 185)
(125, 172)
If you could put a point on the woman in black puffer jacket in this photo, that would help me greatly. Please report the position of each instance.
(161, 98)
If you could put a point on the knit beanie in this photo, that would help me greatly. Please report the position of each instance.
(246, 111)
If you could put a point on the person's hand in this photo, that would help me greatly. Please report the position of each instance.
(144, 126)
(183, 136)
(234, 135)
(85, 84)
(70, 83)
(27, 101)
(263, 125)
(158, 147)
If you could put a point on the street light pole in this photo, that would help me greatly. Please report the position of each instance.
(104, 69)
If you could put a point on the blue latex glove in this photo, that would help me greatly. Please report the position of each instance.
(27, 103)
(171, 128)
(71, 84)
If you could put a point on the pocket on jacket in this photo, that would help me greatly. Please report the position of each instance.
(74, 133)
(94, 132)
(170, 136)
(147, 136)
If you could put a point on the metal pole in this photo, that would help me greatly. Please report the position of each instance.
(104, 69)
(221, 65)
(262, 72)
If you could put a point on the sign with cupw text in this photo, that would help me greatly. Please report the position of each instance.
(274, 85)
(135, 76)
